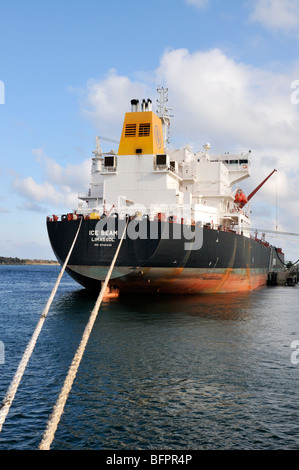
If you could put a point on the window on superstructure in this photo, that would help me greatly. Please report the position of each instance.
(144, 130)
(109, 161)
(161, 159)
(130, 130)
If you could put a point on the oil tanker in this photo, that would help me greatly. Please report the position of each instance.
(186, 220)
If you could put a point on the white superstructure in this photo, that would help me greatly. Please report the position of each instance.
(145, 177)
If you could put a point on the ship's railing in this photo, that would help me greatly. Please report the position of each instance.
(158, 216)
(108, 169)
(162, 217)
(89, 195)
(174, 169)
(236, 162)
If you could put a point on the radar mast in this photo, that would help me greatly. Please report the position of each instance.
(163, 112)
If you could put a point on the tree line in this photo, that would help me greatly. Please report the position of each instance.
(16, 260)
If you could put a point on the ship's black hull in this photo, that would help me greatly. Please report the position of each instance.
(161, 257)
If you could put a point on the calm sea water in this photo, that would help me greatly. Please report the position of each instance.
(188, 373)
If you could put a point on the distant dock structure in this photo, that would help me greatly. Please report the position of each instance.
(288, 277)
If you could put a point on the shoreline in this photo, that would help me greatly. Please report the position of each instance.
(9, 261)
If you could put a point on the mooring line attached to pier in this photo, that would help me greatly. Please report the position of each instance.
(59, 407)
(10, 394)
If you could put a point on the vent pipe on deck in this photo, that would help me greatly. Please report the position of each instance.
(134, 106)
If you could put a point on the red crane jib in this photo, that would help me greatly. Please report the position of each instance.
(240, 197)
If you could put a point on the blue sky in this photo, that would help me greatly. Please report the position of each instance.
(70, 69)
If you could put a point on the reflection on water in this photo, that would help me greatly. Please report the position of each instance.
(158, 372)
(184, 372)
(223, 306)
(231, 306)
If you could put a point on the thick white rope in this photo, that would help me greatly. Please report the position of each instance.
(59, 407)
(10, 394)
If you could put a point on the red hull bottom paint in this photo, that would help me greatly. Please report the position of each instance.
(176, 280)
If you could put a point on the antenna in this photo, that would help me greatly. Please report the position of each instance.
(163, 112)
(98, 150)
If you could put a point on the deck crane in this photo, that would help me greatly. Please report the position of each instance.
(240, 197)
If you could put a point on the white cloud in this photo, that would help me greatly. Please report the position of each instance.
(216, 98)
(60, 186)
(39, 192)
(233, 105)
(277, 14)
(237, 107)
(106, 99)
(72, 177)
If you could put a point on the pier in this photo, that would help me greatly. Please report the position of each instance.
(288, 277)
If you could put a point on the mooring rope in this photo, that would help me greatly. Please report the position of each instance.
(59, 407)
(10, 394)
(285, 264)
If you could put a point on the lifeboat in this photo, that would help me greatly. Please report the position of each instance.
(240, 198)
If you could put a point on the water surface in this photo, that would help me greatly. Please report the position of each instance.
(164, 372)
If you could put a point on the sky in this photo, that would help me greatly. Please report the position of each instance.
(68, 70)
